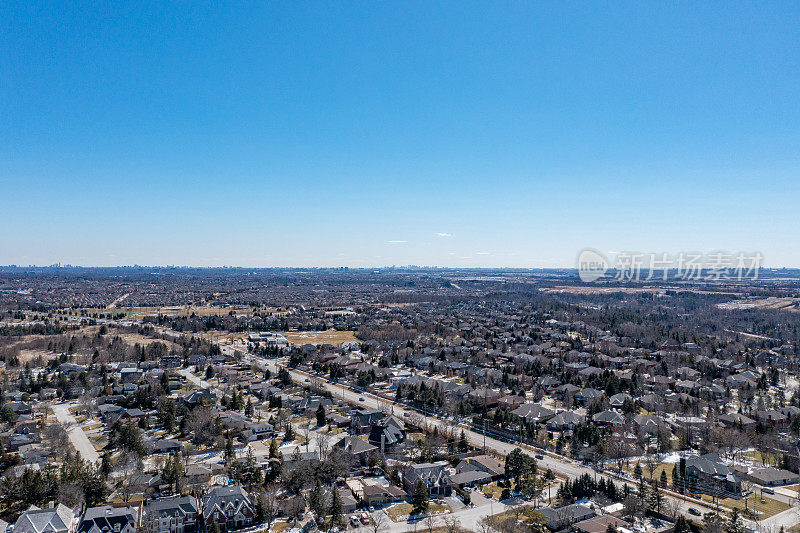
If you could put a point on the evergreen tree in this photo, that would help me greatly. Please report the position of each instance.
(273, 448)
(248, 409)
(681, 525)
(463, 444)
(734, 523)
(336, 508)
(321, 419)
(419, 499)
(288, 435)
(315, 500)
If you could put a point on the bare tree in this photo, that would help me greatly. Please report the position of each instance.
(650, 464)
(671, 507)
(323, 443)
(379, 522)
(430, 522)
(270, 505)
(485, 525)
(452, 524)
(55, 436)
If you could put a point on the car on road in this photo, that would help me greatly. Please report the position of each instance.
(539, 456)
(307, 380)
(694, 511)
(360, 398)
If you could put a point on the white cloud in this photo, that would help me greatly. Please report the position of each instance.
(440, 234)
(397, 242)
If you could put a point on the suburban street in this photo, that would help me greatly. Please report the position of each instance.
(563, 467)
(76, 434)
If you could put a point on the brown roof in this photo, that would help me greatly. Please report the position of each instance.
(599, 524)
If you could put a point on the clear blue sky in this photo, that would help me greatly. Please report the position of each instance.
(380, 133)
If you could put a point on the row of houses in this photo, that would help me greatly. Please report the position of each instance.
(231, 507)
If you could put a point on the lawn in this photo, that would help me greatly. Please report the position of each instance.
(401, 511)
(492, 490)
(279, 527)
(762, 458)
(656, 473)
(769, 508)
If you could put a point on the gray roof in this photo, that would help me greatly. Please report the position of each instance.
(55, 520)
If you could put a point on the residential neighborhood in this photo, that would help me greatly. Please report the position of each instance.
(476, 415)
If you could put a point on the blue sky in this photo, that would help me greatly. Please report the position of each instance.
(388, 133)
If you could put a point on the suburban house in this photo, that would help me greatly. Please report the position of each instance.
(563, 517)
(362, 419)
(357, 449)
(433, 475)
(230, 507)
(708, 474)
(769, 476)
(482, 463)
(198, 474)
(532, 413)
(108, 519)
(376, 495)
(176, 514)
(565, 420)
(388, 433)
(57, 519)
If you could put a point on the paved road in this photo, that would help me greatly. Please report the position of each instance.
(199, 382)
(561, 466)
(76, 434)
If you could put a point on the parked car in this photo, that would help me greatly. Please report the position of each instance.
(694, 511)
(361, 399)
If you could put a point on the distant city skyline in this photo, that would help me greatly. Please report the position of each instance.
(367, 135)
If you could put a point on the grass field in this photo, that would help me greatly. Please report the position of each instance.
(332, 336)
(769, 508)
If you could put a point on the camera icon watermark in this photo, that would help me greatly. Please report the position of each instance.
(592, 265)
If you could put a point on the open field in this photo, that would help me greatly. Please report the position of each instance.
(607, 289)
(772, 302)
(331, 336)
(135, 338)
